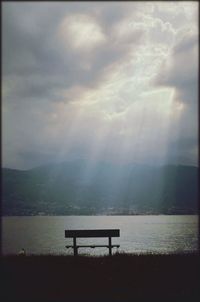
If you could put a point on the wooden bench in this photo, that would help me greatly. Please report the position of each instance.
(92, 233)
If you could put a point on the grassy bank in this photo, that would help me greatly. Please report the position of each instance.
(118, 278)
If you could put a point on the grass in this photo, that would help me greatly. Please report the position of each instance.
(122, 277)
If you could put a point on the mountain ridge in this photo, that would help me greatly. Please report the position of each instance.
(85, 188)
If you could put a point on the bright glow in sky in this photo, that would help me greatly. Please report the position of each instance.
(80, 32)
(100, 81)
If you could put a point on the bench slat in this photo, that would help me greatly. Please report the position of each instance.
(92, 233)
(93, 246)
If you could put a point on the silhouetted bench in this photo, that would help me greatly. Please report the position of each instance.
(92, 233)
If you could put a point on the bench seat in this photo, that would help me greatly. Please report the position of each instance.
(109, 233)
(93, 246)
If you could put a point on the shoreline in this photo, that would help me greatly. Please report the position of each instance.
(54, 215)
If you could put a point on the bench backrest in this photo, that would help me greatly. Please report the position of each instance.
(92, 233)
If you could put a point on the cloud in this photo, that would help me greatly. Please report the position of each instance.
(181, 73)
(78, 81)
(81, 32)
(57, 47)
(182, 69)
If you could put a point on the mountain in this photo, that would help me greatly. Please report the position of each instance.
(99, 188)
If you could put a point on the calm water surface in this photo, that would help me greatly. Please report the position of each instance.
(138, 234)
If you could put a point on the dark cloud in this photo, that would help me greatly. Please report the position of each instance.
(33, 53)
(182, 74)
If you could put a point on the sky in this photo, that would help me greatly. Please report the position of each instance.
(99, 81)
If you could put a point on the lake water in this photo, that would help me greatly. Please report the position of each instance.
(138, 234)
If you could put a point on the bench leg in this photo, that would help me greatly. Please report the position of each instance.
(110, 246)
(75, 247)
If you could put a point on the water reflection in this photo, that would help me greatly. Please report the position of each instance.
(138, 234)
